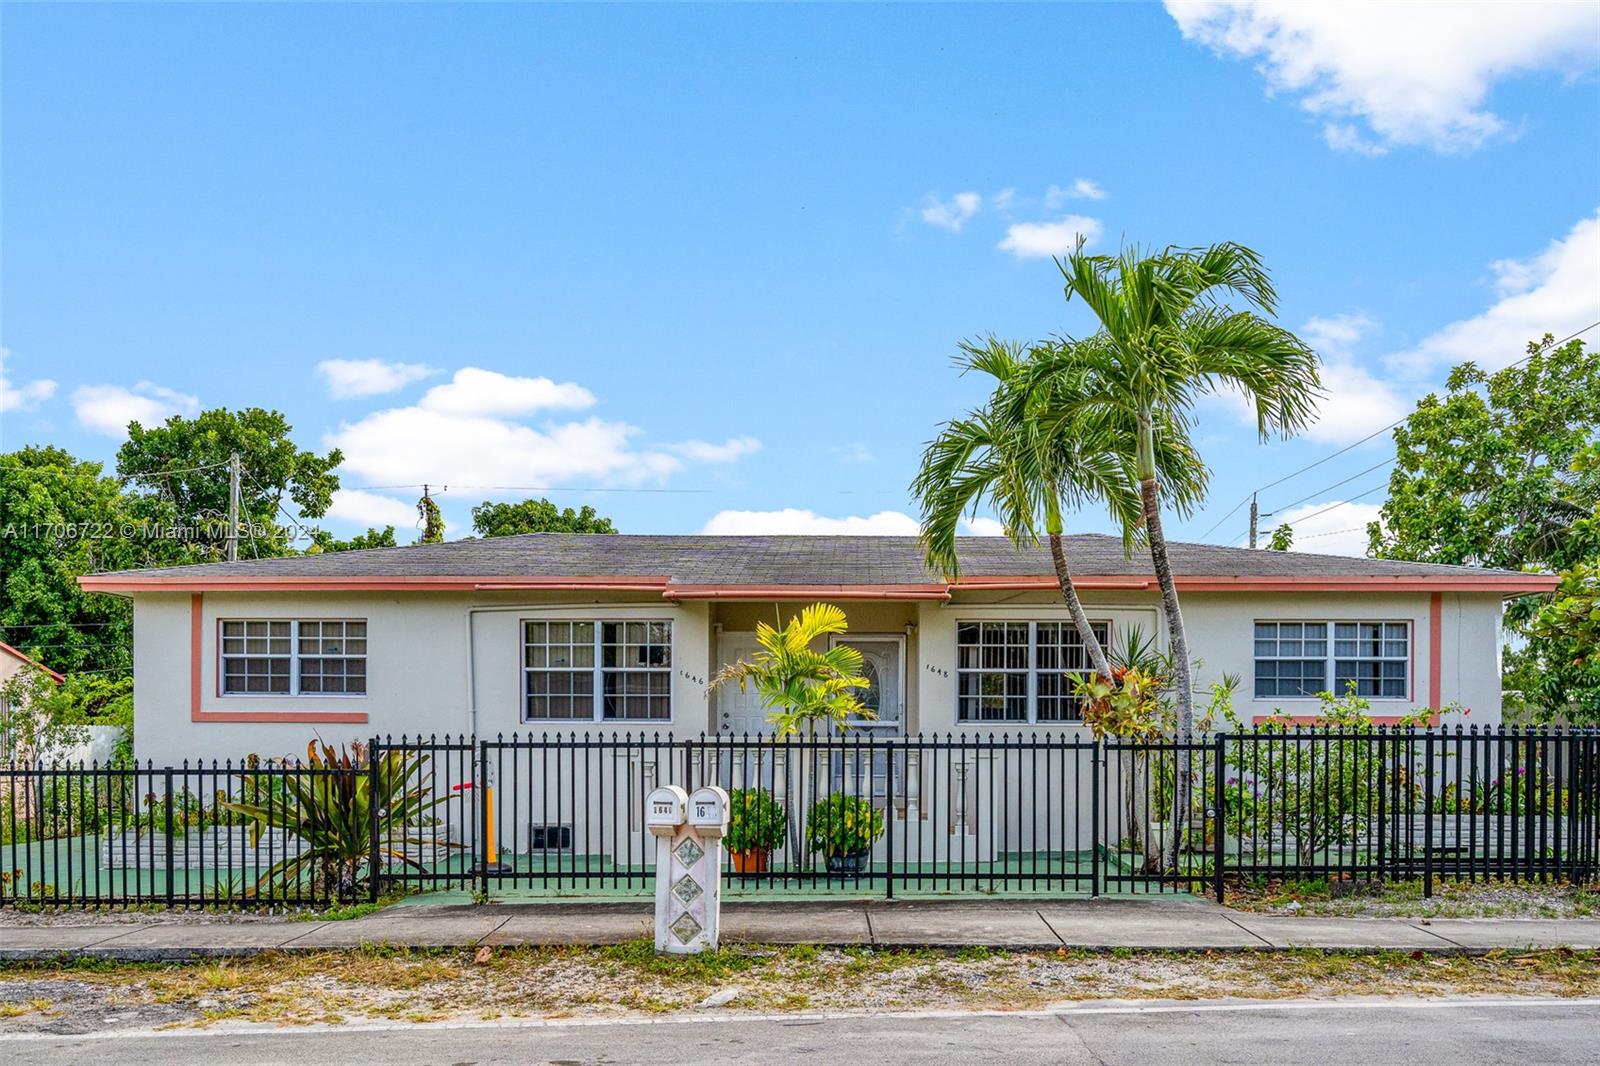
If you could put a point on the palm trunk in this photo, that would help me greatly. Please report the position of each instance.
(1069, 592)
(1181, 674)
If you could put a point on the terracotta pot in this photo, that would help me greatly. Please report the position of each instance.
(753, 861)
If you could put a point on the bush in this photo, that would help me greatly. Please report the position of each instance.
(755, 820)
(843, 825)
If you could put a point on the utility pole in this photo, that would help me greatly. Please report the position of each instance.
(1255, 517)
(233, 507)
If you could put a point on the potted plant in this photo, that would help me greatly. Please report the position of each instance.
(844, 828)
(756, 824)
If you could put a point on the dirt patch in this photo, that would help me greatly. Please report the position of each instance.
(1451, 899)
(630, 980)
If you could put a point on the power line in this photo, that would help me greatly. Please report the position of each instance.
(1330, 488)
(1334, 455)
(1336, 506)
(531, 488)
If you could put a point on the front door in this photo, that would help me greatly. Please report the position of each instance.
(740, 713)
(883, 664)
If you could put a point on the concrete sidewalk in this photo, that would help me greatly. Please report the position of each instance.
(1166, 924)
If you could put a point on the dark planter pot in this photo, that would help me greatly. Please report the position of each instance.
(848, 864)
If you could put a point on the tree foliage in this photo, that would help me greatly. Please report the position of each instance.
(1501, 471)
(61, 517)
(178, 475)
(1485, 472)
(323, 541)
(535, 516)
(1282, 538)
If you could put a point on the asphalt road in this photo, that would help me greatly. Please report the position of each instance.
(1548, 1032)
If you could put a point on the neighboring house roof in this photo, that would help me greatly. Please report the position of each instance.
(712, 567)
(6, 649)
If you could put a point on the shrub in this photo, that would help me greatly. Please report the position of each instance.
(331, 810)
(755, 820)
(843, 825)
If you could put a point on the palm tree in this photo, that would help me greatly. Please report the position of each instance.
(1166, 337)
(803, 686)
(1033, 452)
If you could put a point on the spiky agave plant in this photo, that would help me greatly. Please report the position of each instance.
(330, 808)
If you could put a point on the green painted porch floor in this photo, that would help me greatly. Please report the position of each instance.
(1054, 875)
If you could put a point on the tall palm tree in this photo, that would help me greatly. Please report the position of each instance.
(1033, 452)
(1167, 336)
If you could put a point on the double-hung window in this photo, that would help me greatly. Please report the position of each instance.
(294, 657)
(1296, 660)
(584, 670)
(1020, 671)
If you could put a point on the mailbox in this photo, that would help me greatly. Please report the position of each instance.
(708, 812)
(664, 810)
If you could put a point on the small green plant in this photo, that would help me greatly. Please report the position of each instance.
(843, 826)
(755, 820)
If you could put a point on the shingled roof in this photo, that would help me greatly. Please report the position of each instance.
(684, 562)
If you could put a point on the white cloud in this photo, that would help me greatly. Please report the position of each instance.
(22, 397)
(953, 213)
(1341, 531)
(984, 527)
(1387, 74)
(412, 444)
(796, 520)
(485, 392)
(370, 509)
(369, 377)
(1556, 291)
(700, 451)
(1081, 189)
(108, 409)
(1004, 200)
(465, 434)
(1355, 403)
(1035, 240)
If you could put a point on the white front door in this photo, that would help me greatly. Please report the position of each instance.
(883, 664)
(739, 712)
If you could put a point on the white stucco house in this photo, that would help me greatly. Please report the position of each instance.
(621, 633)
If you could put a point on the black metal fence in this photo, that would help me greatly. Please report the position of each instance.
(1047, 813)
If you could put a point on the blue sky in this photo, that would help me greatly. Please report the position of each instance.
(727, 252)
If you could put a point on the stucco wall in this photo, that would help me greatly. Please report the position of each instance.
(420, 646)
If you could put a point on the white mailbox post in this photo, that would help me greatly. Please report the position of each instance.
(688, 833)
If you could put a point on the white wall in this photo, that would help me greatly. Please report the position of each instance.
(417, 669)
(420, 646)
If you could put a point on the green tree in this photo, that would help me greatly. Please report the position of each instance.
(323, 541)
(60, 517)
(1282, 538)
(1498, 471)
(535, 516)
(1034, 452)
(1484, 474)
(1167, 335)
(179, 473)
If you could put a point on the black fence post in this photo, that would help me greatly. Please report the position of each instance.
(1095, 752)
(888, 809)
(1427, 815)
(167, 825)
(1219, 819)
(375, 814)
